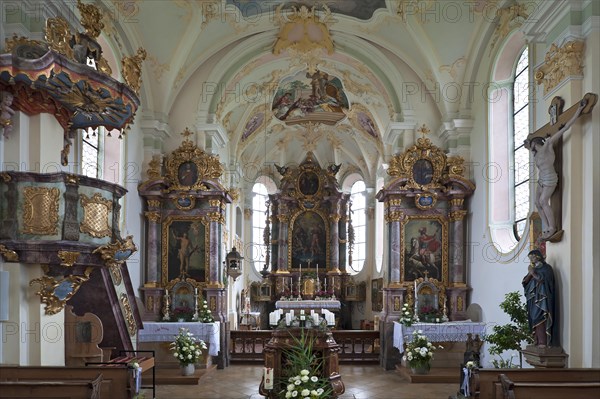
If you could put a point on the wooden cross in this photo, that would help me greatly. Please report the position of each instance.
(560, 122)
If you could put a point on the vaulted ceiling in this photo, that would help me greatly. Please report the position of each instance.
(402, 63)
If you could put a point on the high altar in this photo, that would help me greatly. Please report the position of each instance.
(308, 240)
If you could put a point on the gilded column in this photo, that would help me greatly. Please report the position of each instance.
(282, 255)
(153, 244)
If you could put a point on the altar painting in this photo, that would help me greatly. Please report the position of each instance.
(306, 97)
(308, 241)
(183, 246)
(424, 240)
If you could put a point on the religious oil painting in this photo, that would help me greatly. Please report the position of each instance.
(377, 294)
(308, 183)
(425, 248)
(187, 173)
(308, 241)
(183, 248)
(310, 97)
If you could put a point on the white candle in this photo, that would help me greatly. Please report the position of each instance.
(315, 318)
(196, 290)
(288, 319)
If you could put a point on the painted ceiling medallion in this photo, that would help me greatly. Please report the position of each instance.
(305, 97)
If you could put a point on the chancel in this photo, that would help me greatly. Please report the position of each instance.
(401, 185)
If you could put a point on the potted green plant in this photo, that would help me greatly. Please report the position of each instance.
(510, 336)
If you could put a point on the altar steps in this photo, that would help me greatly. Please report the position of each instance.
(437, 375)
(172, 376)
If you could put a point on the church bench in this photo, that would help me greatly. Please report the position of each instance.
(116, 381)
(85, 389)
(548, 390)
(485, 383)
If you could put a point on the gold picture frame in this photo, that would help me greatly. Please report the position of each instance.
(424, 241)
(185, 242)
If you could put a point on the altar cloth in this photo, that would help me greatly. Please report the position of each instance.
(452, 331)
(166, 332)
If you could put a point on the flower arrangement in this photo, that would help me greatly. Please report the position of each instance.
(429, 314)
(419, 352)
(204, 314)
(182, 314)
(408, 315)
(301, 374)
(186, 348)
(328, 294)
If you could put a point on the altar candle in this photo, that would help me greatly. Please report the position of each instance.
(315, 318)
(288, 319)
(268, 378)
(317, 270)
(302, 311)
(196, 290)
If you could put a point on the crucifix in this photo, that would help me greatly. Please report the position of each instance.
(541, 143)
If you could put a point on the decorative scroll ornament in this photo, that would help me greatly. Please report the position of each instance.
(509, 18)
(40, 210)
(91, 19)
(115, 254)
(96, 212)
(154, 167)
(559, 63)
(68, 258)
(8, 254)
(303, 34)
(55, 292)
(188, 167)
(128, 313)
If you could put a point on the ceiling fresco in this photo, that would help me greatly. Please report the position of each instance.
(360, 9)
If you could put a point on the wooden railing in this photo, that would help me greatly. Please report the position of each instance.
(355, 345)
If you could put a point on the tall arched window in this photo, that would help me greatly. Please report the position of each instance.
(359, 223)
(507, 172)
(521, 154)
(259, 213)
(91, 159)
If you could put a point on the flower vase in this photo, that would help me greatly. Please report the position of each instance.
(420, 369)
(188, 369)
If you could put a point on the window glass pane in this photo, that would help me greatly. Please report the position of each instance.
(521, 155)
(357, 197)
(89, 153)
(259, 209)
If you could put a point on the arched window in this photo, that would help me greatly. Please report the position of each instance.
(507, 172)
(259, 213)
(520, 153)
(91, 160)
(260, 195)
(359, 223)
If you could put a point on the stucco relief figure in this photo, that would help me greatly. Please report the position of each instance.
(544, 156)
(6, 112)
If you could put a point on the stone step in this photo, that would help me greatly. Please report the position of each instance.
(436, 375)
(172, 376)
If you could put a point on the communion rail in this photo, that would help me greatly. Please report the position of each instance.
(355, 345)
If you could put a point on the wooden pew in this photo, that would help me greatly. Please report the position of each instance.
(116, 381)
(548, 390)
(485, 383)
(52, 389)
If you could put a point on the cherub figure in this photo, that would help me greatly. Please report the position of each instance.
(6, 112)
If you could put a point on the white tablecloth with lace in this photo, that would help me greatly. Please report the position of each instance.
(166, 332)
(331, 305)
(453, 331)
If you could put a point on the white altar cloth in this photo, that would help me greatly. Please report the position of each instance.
(452, 331)
(166, 332)
(327, 304)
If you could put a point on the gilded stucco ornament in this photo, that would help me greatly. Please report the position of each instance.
(58, 36)
(40, 210)
(91, 19)
(132, 69)
(56, 291)
(188, 167)
(314, 37)
(96, 212)
(68, 258)
(128, 314)
(115, 254)
(560, 63)
(509, 19)
(8, 254)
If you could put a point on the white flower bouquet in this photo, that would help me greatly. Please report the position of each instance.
(204, 314)
(408, 315)
(186, 348)
(305, 385)
(419, 351)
